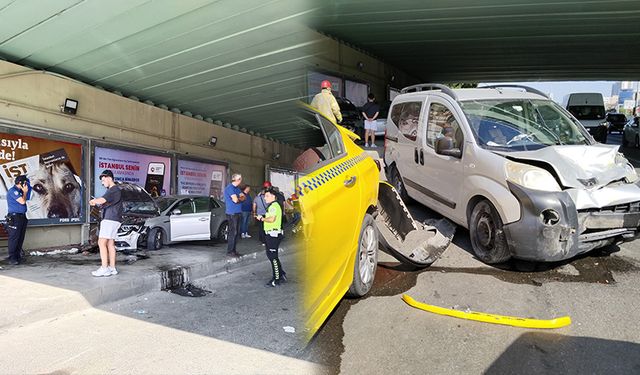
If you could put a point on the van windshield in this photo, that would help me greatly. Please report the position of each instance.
(522, 124)
(587, 112)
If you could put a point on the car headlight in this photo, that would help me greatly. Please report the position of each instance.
(128, 228)
(530, 177)
(605, 124)
(631, 175)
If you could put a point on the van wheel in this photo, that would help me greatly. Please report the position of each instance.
(364, 270)
(487, 237)
(396, 181)
(155, 240)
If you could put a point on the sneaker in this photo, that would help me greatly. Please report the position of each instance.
(233, 254)
(272, 283)
(241, 235)
(366, 145)
(247, 235)
(102, 271)
(14, 262)
(113, 270)
(283, 278)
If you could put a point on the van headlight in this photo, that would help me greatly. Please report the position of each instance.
(530, 177)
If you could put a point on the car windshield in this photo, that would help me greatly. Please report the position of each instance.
(144, 208)
(522, 124)
(164, 203)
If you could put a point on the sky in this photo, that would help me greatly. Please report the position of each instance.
(558, 90)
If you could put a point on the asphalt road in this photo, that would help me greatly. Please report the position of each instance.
(238, 326)
(599, 291)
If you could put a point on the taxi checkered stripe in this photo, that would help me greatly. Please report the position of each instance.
(329, 174)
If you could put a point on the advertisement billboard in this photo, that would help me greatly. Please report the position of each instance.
(198, 178)
(54, 169)
(152, 172)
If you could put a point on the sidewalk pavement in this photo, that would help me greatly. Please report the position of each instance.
(48, 286)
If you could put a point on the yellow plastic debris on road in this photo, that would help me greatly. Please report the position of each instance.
(490, 318)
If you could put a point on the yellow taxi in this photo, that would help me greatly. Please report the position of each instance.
(338, 192)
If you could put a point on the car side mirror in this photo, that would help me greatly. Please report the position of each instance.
(176, 212)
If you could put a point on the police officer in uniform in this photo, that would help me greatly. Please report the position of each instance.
(17, 198)
(273, 235)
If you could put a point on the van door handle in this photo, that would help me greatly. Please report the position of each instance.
(415, 155)
(350, 182)
(421, 157)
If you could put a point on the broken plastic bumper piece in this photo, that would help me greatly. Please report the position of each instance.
(490, 318)
(418, 244)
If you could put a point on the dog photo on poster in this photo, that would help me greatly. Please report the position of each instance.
(54, 169)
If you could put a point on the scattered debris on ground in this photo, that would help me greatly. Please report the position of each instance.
(73, 250)
(189, 290)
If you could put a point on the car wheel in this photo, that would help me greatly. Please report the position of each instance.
(487, 237)
(364, 270)
(155, 240)
(396, 181)
(223, 232)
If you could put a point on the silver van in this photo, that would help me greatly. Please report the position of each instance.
(513, 167)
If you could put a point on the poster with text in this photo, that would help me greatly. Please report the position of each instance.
(196, 178)
(152, 172)
(54, 170)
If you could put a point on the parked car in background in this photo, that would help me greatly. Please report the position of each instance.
(631, 134)
(179, 218)
(351, 116)
(616, 121)
(381, 121)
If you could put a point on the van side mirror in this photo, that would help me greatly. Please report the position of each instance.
(455, 152)
(444, 147)
(176, 212)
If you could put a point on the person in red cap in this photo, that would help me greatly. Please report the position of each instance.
(326, 104)
(260, 209)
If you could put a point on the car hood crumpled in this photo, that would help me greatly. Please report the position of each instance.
(580, 166)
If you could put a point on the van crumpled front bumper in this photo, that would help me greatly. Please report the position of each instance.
(552, 229)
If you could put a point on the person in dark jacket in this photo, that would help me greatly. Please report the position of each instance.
(16, 226)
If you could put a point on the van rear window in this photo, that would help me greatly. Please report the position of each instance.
(406, 116)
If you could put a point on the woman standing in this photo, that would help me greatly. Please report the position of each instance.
(247, 208)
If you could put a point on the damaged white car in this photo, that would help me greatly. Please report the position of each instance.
(513, 167)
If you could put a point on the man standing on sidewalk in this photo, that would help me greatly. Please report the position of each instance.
(111, 205)
(370, 111)
(233, 199)
(17, 198)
